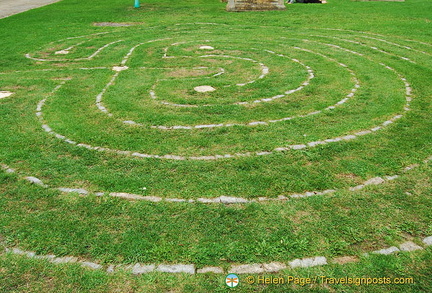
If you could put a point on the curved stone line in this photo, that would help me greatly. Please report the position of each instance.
(233, 199)
(200, 23)
(77, 59)
(396, 45)
(117, 70)
(272, 267)
(52, 69)
(5, 94)
(220, 199)
(48, 129)
(66, 50)
(264, 72)
(382, 40)
(373, 48)
(254, 123)
(85, 36)
(245, 268)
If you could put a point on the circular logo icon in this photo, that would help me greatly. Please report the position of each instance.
(232, 280)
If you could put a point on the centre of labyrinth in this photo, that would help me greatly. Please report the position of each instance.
(211, 113)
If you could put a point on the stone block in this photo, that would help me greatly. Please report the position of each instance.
(258, 5)
(180, 268)
(409, 246)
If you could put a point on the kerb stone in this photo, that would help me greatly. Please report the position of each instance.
(387, 251)
(428, 240)
(248, 5)
(409, 246)
(308, 262)
(139, 269)
(180, 268)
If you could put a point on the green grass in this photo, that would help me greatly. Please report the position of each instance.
(111, 230)
(50, 278)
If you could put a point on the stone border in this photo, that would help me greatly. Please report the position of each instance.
(245, 268)
(364, 45)
(273, 267)
(311, 75)
(66, 51)
(264, 72)
(217, 200)
(221, 199)
(5, 94)
(49, 130)
(385, 41)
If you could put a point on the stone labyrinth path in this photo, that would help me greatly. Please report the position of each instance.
(193, 112)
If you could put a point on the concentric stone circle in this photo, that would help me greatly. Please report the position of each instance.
(334, 50)
(289, 49)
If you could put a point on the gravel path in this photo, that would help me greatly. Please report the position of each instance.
(11, 7)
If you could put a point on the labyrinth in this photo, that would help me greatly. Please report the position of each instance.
(272, 111)
(215, 114)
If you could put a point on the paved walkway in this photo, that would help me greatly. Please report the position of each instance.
(11, 7)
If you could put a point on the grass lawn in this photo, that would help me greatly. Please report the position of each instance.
(317, 125)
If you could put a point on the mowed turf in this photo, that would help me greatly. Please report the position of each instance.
(283, 79)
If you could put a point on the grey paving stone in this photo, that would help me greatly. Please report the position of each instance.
(358, 187)
(308, 262)
(76, 190)
(204, 88)
(180, 268)
(228, 199)
(175, 200)
(386, 251)
(208, 200)
(274, 267)
(138, 269)
(152, 198)
(5, 94)
(374, 181)
(49, 257)
(65, 259)
(428, 240)
(18, 251)
(298, 146)
(91, 265)
(328, 191)
(110, 269)
(409, 246)
(126, 195)
(35, 180)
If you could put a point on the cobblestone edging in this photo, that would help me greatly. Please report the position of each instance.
(406, 108)
(220, 199)
(273, 267)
